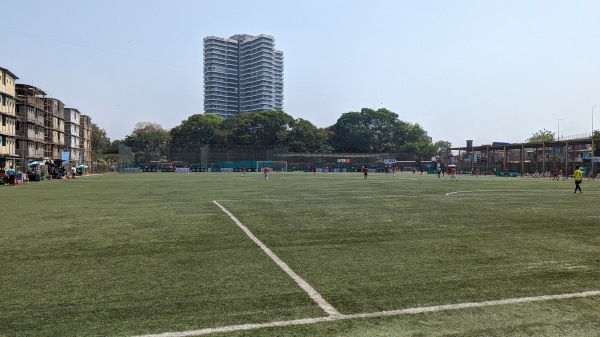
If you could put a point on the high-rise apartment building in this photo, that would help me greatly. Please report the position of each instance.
(242, 74)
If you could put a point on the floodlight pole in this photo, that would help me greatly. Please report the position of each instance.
(558, 132)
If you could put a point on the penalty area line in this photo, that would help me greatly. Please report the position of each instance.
(409, 311)
(328, 308)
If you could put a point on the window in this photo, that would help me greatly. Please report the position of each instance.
(3, 140)
(3, 120)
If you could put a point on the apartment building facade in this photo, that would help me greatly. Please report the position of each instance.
(31, 125)
(72, 134)
(34, 127)
(85, 140)
(55, 129)
(8, 135)
(243, 73)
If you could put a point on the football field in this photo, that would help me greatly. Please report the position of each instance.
(218, 254)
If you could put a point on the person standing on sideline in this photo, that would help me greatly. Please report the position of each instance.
(439, 172)
(11, 176)
(315, 170)
(365, 172)
(243, 171)
(73, 172)
(578, 176)
(506, 172)
(266, 172)
(394, 169)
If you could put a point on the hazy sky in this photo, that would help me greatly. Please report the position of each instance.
(482, 70)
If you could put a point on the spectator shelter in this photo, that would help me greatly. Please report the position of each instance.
(528, 158)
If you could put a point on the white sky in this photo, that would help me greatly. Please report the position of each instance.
(482, 70)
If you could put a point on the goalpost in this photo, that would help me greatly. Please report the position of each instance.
(274, 165)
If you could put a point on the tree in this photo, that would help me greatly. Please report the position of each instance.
(366, 131)
(351, 133)
(443, 147)
(149, 141)
(113, 147)
(99, 141)
(196, 131)
(541, 136)
(379, 131)
(267, 128)
(303, 136)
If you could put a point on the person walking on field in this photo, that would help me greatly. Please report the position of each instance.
(11, 176)
(243, 171)
(365, 172)
(578, 176)
(266, 172)
(453, 174)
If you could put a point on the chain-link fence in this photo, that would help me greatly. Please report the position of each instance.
(218, 157)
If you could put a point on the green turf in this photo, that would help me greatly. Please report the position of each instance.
(130, 254)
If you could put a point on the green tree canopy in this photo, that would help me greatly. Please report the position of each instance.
(379, 131)
(197, 131)
(366, 131)
(306, 137)
(443, 147)
(541, 136)
(268, 128)
(100, 142)
(148, 140)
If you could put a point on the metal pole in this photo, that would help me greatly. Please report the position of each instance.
(593, 106)
(592, 139)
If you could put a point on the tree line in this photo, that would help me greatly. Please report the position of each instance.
(364, 131)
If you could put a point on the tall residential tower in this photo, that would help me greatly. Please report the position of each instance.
(242, 74)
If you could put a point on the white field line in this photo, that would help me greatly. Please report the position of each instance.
(328, 308)
(499, 192)
(409, 311)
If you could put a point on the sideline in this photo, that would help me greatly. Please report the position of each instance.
(409, 311)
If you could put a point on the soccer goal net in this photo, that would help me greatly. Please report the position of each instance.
(274, 166)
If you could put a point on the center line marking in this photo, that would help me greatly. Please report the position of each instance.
(328, 308)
